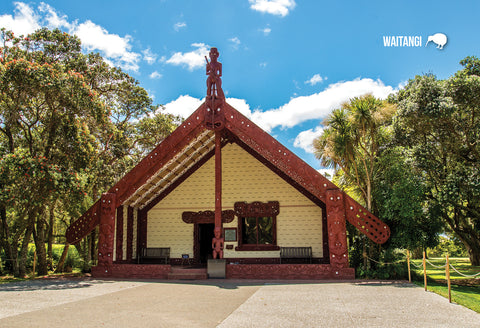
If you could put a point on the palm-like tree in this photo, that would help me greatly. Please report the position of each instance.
(351, 140)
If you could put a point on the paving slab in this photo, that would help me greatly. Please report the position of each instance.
(227, 303)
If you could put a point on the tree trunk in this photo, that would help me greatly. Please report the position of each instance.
(51, 222)
(22, 260)
(470, 238)
(473, 249)
(61, 261)
(5, 241)
(39, 238)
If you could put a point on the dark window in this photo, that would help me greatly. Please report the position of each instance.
(258, 230)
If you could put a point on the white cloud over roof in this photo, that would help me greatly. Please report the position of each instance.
(305, 138)
(318, 105)
(193, 59)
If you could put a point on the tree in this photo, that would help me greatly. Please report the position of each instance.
(439, 121)
(400, 199)
(69, 125)
(352, 139)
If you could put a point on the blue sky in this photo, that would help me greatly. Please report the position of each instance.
(286, 63)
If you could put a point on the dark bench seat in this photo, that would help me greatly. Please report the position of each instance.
(154, 253)
(296, 253)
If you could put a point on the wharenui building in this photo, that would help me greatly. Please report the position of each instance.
(221, 188)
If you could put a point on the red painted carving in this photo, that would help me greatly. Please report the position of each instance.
(119, 235)
(214, 116)
(337, 237)
(141, 230)
(107, 226)
(217, 243)
(143, 271)
(129, 232)
(207, 216)
(366, 222)
(83, 225)
(256, 209)
(287, 271)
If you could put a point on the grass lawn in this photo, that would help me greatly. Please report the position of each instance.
(465, 291)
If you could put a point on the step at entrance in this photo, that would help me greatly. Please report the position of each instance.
(181, 273)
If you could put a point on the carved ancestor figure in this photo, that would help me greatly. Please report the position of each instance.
(214, 72)
(217, 244)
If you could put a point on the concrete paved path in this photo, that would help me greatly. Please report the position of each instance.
(226, 303)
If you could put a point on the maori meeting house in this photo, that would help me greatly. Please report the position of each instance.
(222, 198)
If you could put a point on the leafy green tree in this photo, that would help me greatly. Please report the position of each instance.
(439, 120)
(69, 125)
(352, 139)
(400, 199)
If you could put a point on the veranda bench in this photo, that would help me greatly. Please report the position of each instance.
(154, 253)
(296, 253)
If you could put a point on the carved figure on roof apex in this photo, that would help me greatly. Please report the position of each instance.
(214, 72)
(215, 99)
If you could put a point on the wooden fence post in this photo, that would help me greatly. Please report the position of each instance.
(447, 274)
(408, 263)
(424, 270)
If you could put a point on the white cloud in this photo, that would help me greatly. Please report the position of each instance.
(305, 139)
(95, 37)
(149, 56)
(263, 64)
(193, 59)
(274, 7)
(328, 173)
(177, 26)
(53, 19)
(266, 31)
(235, 42)
(240, 105)
(318, 105)
(116, 50)
(315, 79)
(155, 75)
(24, 20)
(184, 106)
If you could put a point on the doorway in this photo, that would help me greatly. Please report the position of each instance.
(205, 236)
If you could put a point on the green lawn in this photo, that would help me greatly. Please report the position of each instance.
(465, 291)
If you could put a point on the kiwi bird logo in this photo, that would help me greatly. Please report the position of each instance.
(439, 39)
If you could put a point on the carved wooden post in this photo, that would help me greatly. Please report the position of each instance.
(119, 234)
(218, 186)
(337, 234)
(105, 239)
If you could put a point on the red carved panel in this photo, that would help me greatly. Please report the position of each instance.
(256, 209)
(287, 271)
(83, 225)
(143, 271)
(207, 216)
(129, 232)
(106, 232)
(119, 235)
(141, 230)
(366, 222)
(337, 230)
